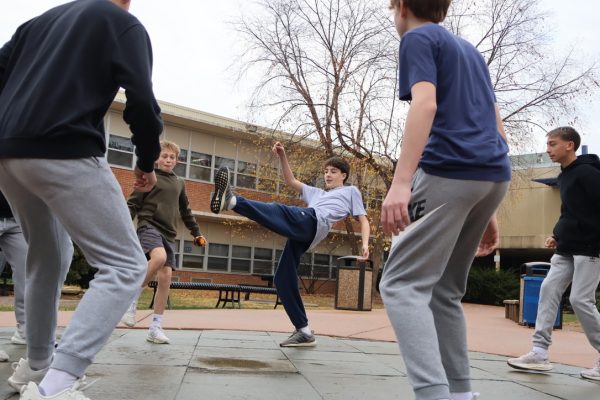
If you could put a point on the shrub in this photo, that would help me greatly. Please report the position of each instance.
(80, 272)
(488, 286)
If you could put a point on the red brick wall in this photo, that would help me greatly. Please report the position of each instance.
(199, 198)
(236, 279)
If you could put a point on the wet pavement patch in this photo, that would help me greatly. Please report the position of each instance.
(237, 363)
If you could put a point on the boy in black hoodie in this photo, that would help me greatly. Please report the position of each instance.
(576, 238)
(59, 73)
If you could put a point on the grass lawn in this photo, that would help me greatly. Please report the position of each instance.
(200, 299)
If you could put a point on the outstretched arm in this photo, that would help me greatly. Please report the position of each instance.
(288, 175)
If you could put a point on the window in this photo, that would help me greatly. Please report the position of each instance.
(241, 259)
(217, 257)
(267, 179)
(226, 162)
(305, 268)
(263, 261)
(193, 256)
(181, 163)
(120, 151)
(321, 266)
(200, 165)
(176, 251)
(246, 175)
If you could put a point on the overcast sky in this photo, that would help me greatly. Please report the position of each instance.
(195, 48)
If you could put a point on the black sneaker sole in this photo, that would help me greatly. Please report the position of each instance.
(217, 203)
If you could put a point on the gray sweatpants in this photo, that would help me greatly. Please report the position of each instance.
(584, 274)
(425, 279)
(80, 198)
(14, 247)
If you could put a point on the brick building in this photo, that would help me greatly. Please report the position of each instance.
(238, 249)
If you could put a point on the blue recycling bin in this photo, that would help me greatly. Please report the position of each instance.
(531, 298)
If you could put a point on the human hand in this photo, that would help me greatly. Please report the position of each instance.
(365, 252)
(490, 239)
(278, 149)
(394, 211)
(550, 242)
(144, 181)
(200, 241)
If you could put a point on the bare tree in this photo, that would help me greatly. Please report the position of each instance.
(329, 73)
(535, 84)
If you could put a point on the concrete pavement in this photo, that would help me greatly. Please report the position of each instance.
(234, 354)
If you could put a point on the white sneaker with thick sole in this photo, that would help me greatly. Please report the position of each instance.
(129, 317)
(593, 374)
(157, 336)
(23, 374)
(18, 339)
(3, 356)
(531, 361)
(32, 392)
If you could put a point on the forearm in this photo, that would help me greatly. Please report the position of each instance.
(365, 229)
(286, 170)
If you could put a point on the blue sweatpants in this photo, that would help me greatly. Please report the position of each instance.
(299, 225)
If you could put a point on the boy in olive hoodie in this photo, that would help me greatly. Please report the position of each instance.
(157, 227)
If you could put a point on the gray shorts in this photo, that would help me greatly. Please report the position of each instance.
(151, 238)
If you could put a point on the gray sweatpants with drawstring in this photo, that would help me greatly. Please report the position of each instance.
(584, 274)
(54, 201)
(425, 279)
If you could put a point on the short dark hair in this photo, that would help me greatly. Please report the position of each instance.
(431, 10)
(339, 163)
(567, 134)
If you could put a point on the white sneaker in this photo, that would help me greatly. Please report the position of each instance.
(593, 374)
(22, 375)
(531, 361)
(18, 339)
(156, 335)
(3, 356)
(129, 316)
(32, 392)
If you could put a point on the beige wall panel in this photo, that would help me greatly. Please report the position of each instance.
(177, 135)
(117, 126)
(203, 143)
(225, 147)
(249, 152)
(217, 233)
(530, 210)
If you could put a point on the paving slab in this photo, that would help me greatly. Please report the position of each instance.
(249, 365)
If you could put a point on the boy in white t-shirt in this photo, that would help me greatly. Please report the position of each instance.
(304, 227)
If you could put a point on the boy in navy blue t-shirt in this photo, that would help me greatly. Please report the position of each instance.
(454, 169)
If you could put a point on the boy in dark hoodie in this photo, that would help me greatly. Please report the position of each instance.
(576, 261)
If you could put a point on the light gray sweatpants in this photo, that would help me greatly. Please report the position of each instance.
(80, 198)
(425, 279)
(14, 247)
(584, 274)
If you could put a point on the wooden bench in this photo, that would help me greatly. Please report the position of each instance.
(511, 310)
(227, 293)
